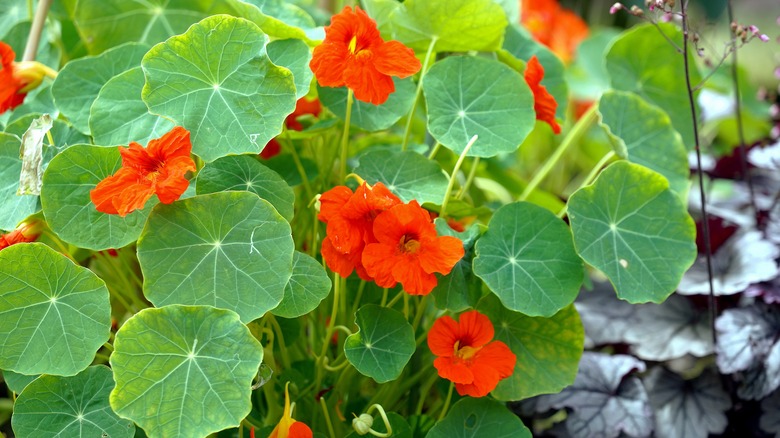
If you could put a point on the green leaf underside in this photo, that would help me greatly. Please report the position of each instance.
(69, 211)
(294, 55)
(308, 286)
(643, 134)
(70, 407)
(216, 81)
(13, 208)
(384, 344)
(184, 370)
(548, 350)
(629, 225)
(79, 82)
(230, 250)
(54, 315)
(407, 174)
(478, 418)
(366, 115)
(119, 116)
(457, 25)
(469, 96)
(657, 78)
(247, 173)
(527, 259)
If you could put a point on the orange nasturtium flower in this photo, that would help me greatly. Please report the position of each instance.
(11, 94)
(26, 232)
(354, 55)
(157, 169)
(288, 427)
(409, 251)
(350, 219)
(544, 103)
(466, 355)
(554, 26)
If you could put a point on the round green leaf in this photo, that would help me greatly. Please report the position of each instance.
(407, 174)
(70, 406)
(17, 382)
(294, 55)
(54, 314)
(384, 344)
(70, 212)
(633, 228)
(469, 96)
(479, 418)
(521, 45)
(14, 11)
(528, 260)
(184, 371)
(216, 81)
(13, 208)
(548, 350)
(247, 173)
(658, 78)
(230, 250)
(644, 135)
(456, 25)
(308, 286)
(119, 116)
(366, 115)
(79, 82)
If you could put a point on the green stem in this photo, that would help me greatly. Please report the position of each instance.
(469, 179)
(326, 414)
(34, 38)
(298, 164)
(454, 176)
(435, 150)
(345, 138)
(576, 133)
(280, 337)
(446, 402)
(396, 298)
(421, 306)
(424, 390)
(358, 296)
(408, 129)
(591, 177)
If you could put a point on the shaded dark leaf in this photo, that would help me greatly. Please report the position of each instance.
(669, 330)
(687, 408)
(769, 291)
(604, 317)
(603, 403)
(770, 420)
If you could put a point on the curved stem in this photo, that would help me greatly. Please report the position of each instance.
(579, 129)
(702, 195)
(34, 38)
(327, 417)
(408, 128)
(435, 150)
(345, 137)
(446, 402)
(469, 179)
(454, 175)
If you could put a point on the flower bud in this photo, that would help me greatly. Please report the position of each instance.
(616, 7)
(31, 74)
(362, 424)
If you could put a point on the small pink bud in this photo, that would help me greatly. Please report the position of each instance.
(777, 72)
(753, 29)
(616, 7)
(764, 37)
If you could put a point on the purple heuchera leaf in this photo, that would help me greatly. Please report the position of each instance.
(769, 291)
(670, 330)
(748, 344)
(744, 259)
(602, 402)
(687, 408)
(604, 317)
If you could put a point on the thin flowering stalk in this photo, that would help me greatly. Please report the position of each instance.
(426, 61)
(326, 414)
(697, 147)
(446, 406)
(469, 179)
(34, 38)
(345, 138)
(454, 175)
(579, 129)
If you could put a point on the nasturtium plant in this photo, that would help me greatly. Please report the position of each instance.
(418, 218)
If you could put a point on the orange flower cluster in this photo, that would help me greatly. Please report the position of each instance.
(544, 103)
(287, 426)
(466, 355)
(157, 169)
(11, 85)
(26, 232)
(554, 26)
(384, 240)
(303, 107)
(354, 55)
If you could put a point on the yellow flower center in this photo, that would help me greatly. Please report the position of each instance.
(465, 353)
(409, 244)
(353, 45)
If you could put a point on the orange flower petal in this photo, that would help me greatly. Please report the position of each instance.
(395, 59)
(442, 254)
(328, 63)
(499, 356)
(368, 83)
(454, 370)
(299, 430)
(474, 329)
(332, 202)
(112, 188)
(544, 104)
(486, 379)
(442, 336)
(175, 143)
(413, 278)
(10, 86)
(271, 149)
(375, 259)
